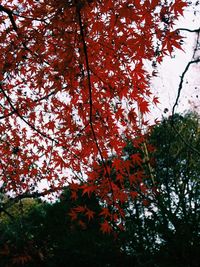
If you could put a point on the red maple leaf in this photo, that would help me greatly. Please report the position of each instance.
(90, 214)
(71, 86)
(106, 227)
(88, 189)
(143, 106)
(178, 7)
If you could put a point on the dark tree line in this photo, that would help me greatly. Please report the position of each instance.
(161, 228)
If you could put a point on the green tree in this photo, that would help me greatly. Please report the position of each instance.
(161, 220)
(44, 235)
(164, 230)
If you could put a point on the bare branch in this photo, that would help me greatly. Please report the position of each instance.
(33, 195)
(10, 15)
(181, 82)
(197, 44)
(188, 30)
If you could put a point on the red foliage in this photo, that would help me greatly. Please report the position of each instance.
(73, 84)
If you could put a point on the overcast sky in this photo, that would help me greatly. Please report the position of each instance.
(167, 82)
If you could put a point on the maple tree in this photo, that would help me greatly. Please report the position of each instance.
(73, 88)
(170, 220)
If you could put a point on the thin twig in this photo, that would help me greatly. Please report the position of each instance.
(22, 118)
(188, 30)
(196, 46)
(181, 82)
(183, 139)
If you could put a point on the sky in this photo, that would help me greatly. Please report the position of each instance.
(166, 85)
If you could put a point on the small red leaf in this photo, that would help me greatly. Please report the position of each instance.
(105, 227)
(90, 214)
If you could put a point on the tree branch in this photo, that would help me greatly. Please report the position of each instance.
(91, 102)
(22, 118)
(2, 209)
(37, 100)
(14, 25)
(181, 82)
(183, 140)
(10, 15)
(33, 195)
(188, 30)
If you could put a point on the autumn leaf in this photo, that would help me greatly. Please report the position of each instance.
(73, 78)
(73, 215)
(105, 227)
(105, 213)
(143, 106)
(90, 214)
(178, 7)
(136, 159)
(79, 209)
(155, 100)
(133, 195)
(88, 189)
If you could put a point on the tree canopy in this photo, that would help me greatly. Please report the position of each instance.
(165, 230)
(74, 88)
(162, 228)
